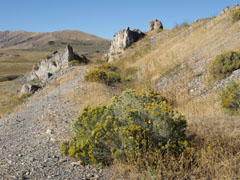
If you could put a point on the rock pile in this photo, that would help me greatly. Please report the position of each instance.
(45, 69)
(155, 25)
(122, 40)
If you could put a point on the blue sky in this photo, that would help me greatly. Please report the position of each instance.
(103, 17)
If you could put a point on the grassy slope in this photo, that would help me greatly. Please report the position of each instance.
(215, 153)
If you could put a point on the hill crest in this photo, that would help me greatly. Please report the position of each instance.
(49, 40)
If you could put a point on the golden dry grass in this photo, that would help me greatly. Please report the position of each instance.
(17, 62)
(215, 151)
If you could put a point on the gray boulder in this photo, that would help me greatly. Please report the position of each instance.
(123, 40)
(29, 89)
(155, 25)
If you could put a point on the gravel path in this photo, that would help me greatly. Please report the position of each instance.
(30, 138)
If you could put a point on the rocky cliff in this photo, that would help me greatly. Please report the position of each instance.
(45, 69)
(122, 40)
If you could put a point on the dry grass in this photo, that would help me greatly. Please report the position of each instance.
(92, 94)
(14, 63)
(214, 153)
(17, 62)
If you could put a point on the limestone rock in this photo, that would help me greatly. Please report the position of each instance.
(155, 25)
(122, 40)
(58, 61)
(54, 64)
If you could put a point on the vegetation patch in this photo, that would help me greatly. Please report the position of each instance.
(108, 67)
(132, 127)
(230, 98)
(36, 67)
(74, 63)
(236, 15)
(224, 64)
(182, 25)
(107, 78)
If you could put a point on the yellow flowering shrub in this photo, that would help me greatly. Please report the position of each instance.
(107, 78)
(230, 98)
(131, 126)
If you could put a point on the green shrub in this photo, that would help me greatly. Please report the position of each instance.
(236, 15)
(230, 98)
(224, 64)
(101, 76)
(36, 67)
(74, 63)
(133, 125)
(108, 67)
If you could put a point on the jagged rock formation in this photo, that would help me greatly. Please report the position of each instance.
(155, 25)
(122, 40)
(42, 71)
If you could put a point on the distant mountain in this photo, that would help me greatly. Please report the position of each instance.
(52, 41)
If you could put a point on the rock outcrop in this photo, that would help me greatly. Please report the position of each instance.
(155, 25)
(45, 69)
(230, 9)
(29, 89)
(122, 40)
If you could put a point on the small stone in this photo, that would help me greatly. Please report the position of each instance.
(49, 131)
(32, 159)
(76, 163)
(63, 160)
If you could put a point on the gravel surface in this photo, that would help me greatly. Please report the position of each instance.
(30, 138)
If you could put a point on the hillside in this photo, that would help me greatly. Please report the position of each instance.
(175, 63)
(51, 41)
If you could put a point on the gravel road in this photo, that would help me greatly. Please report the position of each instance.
(30, 138)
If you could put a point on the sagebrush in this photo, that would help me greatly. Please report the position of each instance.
(128, 129)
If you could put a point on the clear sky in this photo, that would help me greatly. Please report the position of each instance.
(103, 17)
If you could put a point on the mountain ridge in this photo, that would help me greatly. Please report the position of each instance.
(50, 40)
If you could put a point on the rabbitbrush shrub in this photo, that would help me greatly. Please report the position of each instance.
(230, 98)
(107, 78)
(224, 64)
(130, 127)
